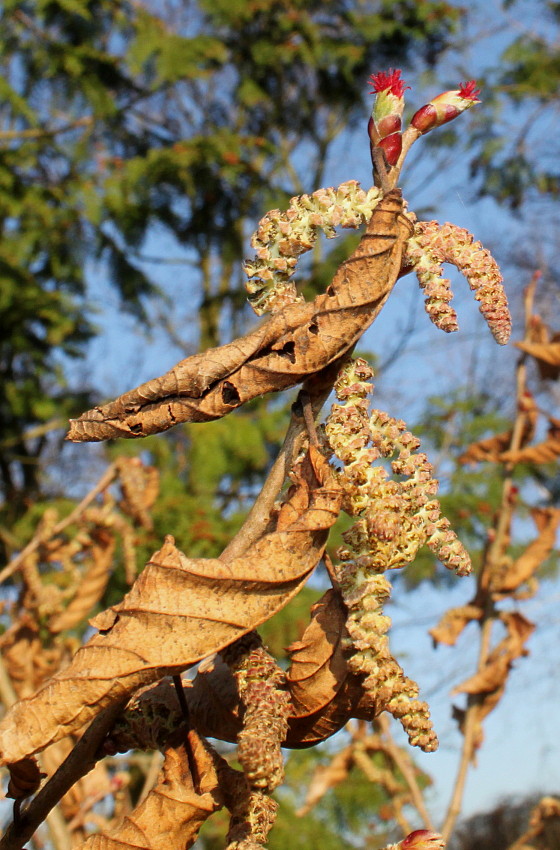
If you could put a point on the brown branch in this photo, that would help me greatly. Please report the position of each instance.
(80, 761)
(404, 763)
(258, 517)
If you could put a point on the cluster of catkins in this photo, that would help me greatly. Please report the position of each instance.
(394, 517)
(283, 236)
(432, 245)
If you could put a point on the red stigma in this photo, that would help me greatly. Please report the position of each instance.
(468, 90)
(388, 81)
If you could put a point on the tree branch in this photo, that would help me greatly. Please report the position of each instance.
(80, 761)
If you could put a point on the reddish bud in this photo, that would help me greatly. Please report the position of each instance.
(423, 839)
(388, 125)
(445, 107)
(392, 147)
(389, 103)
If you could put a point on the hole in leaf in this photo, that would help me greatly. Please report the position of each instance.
(288, 350)
(313, 328)
(230, 394)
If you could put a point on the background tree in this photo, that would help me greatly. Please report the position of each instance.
(155, 129)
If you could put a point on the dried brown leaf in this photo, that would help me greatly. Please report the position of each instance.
(493, 448)
(318, 667)
(92, 586)
(325, 693)
(25, 778)
(28, 663)
(547, 355)
(489, 449)
(494, 674)
(524, 568)
(453, 622)
(290, 347)
(544, 452)
(179, 611)
(140, 488)
(185, 795)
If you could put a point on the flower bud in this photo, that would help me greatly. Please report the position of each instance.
(392, 146)
(423, 839)
(445, 107)
(388, 106)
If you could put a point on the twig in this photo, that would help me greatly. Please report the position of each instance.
(78, 762)
(406, 767)
(34, 544)
(259, 515)
(381, 175)
(308, 417)
(43, 132)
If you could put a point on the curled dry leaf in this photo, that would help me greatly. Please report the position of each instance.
(325, 693)
(544, 452)
(524, 568)
(493, 448)
(318, 667)
(92, 586)
(290, 347)
(453, 622)
(179, 611)
(140, 488)
(185, 795)
(25, 778)
(494, 674)
(28, 663)
(547, 356)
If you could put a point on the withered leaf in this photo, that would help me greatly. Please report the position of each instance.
(318, 667)
(173, 812)
(179, 611)
(544, 452)
(494, 674)
(25, 778)
(453, 622)
(547, 355)
(92, 586)
(492, 448)
(522, 569)
(292, 345)
(140, 487)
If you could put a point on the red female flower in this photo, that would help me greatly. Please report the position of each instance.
(445, 107)
(386, 115)
(390, 81)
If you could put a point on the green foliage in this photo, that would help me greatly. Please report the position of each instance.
(116, 119)
(521, 89)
